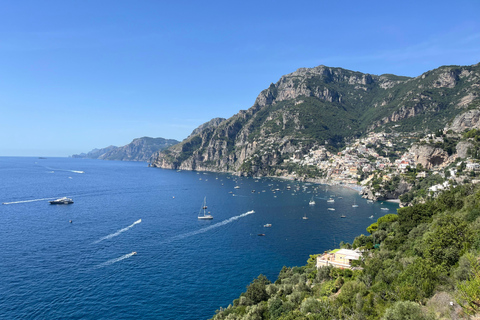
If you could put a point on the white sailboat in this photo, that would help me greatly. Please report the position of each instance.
(203, 209)
(312, 202)
(354, 205)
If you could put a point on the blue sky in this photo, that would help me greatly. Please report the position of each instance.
(78, 75)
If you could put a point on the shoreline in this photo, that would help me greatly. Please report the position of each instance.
(350, 186)
(393, 200)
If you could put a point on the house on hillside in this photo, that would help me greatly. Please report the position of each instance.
(339, 258)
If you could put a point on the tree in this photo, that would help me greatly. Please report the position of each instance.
(448, 240)
(256, 291)
(468, 294)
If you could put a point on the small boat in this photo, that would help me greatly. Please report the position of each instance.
(236, 187)
(305, 217)
(371, 217)
(268, 225)
(354, 205)
(342, 216)
(330, 200)
(63, 200)
(253, 191)
(312, 202)
(331, 209)
(369, 201)
(134, 252)
(385, 209)
(204, 216)
(261, 234)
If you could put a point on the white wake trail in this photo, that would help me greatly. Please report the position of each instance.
(112, 261)
(216, 225)
(118, 232)
(66, 170)
(25, 201)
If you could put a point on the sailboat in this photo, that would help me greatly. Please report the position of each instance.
(354, 205)
(204, 216)
(305, 217)
(312, 202)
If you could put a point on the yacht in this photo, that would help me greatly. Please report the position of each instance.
(63, 200)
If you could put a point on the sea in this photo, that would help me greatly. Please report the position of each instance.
(131, 245)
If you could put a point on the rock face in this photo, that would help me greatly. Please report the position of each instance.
(140, 149)
(210, 124)
(462, 148)
(429, 156)
(467, 120)
(323, 106)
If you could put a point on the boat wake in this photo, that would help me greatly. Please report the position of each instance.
(110, 236)
(67, 170)
(213, 226)
(112, 261)
(25, 201)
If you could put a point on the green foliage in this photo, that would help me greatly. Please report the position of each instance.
(468, 294)
(256, 291)
(406, 310)
(372, 228)
(410, 217)
(448, 239)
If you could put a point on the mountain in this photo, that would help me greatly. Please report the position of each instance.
(210, 124)
(140, 149)
(327, 107)
(95, 153)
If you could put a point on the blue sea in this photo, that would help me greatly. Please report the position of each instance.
(185, 268)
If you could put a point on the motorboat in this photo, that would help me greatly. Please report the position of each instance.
(63, 200)
(268, 225)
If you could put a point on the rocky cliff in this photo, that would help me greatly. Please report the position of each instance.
(323, 106)
(140, 149)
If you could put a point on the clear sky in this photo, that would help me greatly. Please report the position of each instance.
(78, 75)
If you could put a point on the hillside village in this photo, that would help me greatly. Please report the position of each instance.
(371, 163)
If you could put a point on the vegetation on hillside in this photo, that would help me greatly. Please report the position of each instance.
(420, 264)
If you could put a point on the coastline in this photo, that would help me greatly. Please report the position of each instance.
(354, 187)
